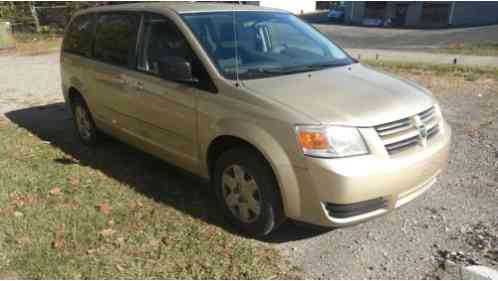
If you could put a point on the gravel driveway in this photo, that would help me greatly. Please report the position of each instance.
(28, 80)
(395, 38)
(407, 243)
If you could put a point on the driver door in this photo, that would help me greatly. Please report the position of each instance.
(164, 109)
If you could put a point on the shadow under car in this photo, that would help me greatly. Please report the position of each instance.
(144, 173)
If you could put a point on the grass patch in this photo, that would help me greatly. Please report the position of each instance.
(112, 213)
(34, 43)
(484, 49)
(469, 73)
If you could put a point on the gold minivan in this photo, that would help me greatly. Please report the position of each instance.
(284, 123)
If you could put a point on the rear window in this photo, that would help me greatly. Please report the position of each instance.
(116, 38)
(79, 37)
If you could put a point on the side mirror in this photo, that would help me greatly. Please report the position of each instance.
(176, 69)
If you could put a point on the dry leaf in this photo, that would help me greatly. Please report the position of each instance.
(26, 200)
(23, 241)
(58, 244)
(154, 242)
(73, 180)
(107, 232)
(104, 208)
(90, 251)
(55, 191)
(120, 268)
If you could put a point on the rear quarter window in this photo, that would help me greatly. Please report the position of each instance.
(116, 38)
(79, 37)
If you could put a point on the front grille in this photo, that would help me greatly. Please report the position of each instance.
(355, 209)
(408, 132)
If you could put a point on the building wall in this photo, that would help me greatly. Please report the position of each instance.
(354, 12)
(464, 13)
(475, 13)
(414, 14)
(292, 6)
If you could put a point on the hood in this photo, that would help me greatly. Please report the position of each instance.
(352, 95)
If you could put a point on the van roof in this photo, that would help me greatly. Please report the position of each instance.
(181, 7)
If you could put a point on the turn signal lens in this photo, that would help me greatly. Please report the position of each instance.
(313, 140)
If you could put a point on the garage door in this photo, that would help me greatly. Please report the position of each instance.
(435, 14)
(375, 10)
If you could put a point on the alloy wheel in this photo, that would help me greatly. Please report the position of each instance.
(241, 194)
(83, 122)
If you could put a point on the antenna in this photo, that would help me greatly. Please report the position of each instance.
(236, 48)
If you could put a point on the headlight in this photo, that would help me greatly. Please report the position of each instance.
(331, 141)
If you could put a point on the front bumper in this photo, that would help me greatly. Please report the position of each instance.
(341, 192)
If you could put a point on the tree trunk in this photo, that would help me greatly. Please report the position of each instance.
(35, 17)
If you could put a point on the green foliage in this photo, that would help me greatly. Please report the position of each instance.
(7, 10)
(52, 15)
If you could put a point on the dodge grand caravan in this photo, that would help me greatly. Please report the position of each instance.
(284, 123)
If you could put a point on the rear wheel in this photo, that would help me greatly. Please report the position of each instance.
(247, 191)
(83, 121)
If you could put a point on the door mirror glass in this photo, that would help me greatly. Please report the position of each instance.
(176, 69)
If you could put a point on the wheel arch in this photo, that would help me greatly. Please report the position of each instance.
(233, 133)
(72, 94)
(72, 86)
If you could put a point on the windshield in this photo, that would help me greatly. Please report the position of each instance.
(269, 44)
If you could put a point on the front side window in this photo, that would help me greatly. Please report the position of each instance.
(260, 44)
(164, 42)
(79, 36)
(116, 38)
(164, 45)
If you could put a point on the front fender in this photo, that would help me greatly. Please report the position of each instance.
(274, 153)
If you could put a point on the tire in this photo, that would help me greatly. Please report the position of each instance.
(256, 181)
(83, 122)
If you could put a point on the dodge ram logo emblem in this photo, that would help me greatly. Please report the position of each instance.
(422, 130)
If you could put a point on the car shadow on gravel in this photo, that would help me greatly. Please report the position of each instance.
(142, 172)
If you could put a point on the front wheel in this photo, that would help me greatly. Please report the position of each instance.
(83, 121)
(247, 191)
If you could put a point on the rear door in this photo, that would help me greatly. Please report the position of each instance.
(165, 108)
(115, 54)
(76, 56)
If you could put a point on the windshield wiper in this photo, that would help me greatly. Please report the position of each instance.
(301, 68)
(261, 72)
(264, 72)
(319, 66)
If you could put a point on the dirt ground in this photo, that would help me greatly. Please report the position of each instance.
(457, 219)
(361, 37)
(411, 243)
(28, 80)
